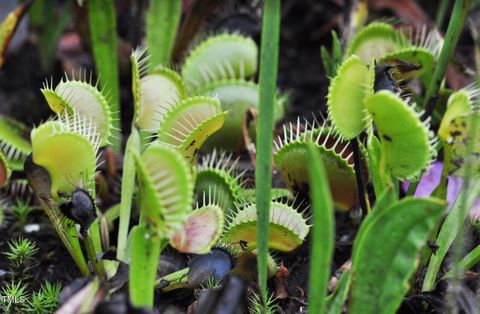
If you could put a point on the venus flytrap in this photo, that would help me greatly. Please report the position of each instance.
(216, 172)
(83, 98)
(224, 56)
(291, 155)
(413, 50)
(155, 91)
(288, 227)
(188, 125)
(165, 193)
(236, 97)
(63, 180)
(14, 143)
(407, 143)
(5, 171)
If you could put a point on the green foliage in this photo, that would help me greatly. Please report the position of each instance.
(381, 269)
(83, 99)
(67, 167)
(345, 97)
(187, 125)
(103, 34)
(224, 56)
(163, 18)
(21, 210)
(146, 248)
(449, 231)
(335, 301)
(216, 175)
(14, 294)
(462, 146)
(257, 306)
(48, 20)
(128, 188)
(5, 171)
(407, 143)
(21, 253)
(165, 188)
(291, 159)
(236, 96)
(211, 283)
(45, 300)
(13, 141)
(457, 19)
(263, 174)
(287, 228)
(323, 233)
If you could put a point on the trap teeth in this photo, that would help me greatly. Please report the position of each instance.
(405, 139)
(217, 178)
(288, 228)
(13, 142)
(223, 56)
(80, 97)
(68, 157)
(290, 156)
(158, 91)
(166, 187)
(187, 125)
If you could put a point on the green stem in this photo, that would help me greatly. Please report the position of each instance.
(470, 260)
(455, 25)
(92, 256)
(103, 33)
(442, 9)
(128, 187)
(69, 241)
(163, 17)
(178, 279)
(263, 174)
(449, 231)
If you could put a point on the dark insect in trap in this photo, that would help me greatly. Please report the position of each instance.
(80, 208)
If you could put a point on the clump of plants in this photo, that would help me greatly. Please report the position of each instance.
(186, 186)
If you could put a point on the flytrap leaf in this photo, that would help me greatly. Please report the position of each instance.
(13, 141)
(288, 228)
(459, 103)
(407, 143)
(218, 57)
(345, 97)
(216, 175)
(291, 159)
(187, 125)
(376, 40)
(81, 98)
(154, 92)
(201, 230)
(165, 188)
(463, 143)
(383, 261)
(236, 96)
(67, 149)
(5, 170)
(413, 51)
